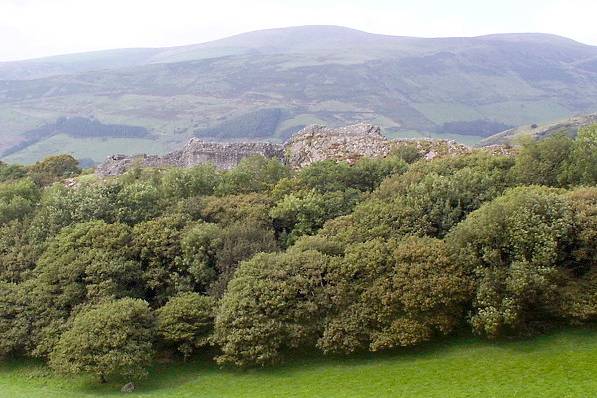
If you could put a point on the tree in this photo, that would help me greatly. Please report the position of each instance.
(187, 321)
(113, 338)
(304, 212)
(200, 245)
(274, 302)
(392, 294)
(14, 325)
(137, 202)
(428, 200)
(86, 263)
(253, 174)
(18, 255)
(17, 199)
(54, 168)
(580, 168)
(330, 176)
(542, 162)
(226, 210)
(240, 241)
(157, 247)
(178, 183)
(61, 206)
(579, 290)
(517, 245)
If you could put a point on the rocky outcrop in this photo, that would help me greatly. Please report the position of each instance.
(222, 155)
(312, 144)
(348, 144)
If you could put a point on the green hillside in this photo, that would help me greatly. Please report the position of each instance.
(558, 365)
(473, 87)
(569, 126)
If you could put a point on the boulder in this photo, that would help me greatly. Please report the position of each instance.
(128, 388)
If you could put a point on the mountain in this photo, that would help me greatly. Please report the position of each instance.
(266, 85)
(569, 126)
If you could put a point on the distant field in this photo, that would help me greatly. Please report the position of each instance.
(463, 139)
(561, 364)
(90, 148)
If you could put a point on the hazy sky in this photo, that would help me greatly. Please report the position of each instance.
(35, 28)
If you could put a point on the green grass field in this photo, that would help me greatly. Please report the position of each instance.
(561, 364)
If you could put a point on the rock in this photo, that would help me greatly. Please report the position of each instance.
(312, 144)
(430, 155)
(128, 388)
(316, 143)
(222, 155)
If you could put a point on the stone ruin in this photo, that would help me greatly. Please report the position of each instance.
(312, 144)
(222, 155)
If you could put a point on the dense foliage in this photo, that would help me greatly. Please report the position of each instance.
(100, 275)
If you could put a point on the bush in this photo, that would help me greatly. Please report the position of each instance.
(54, 168)
(274, 302)
(17, 200)
(110, 339)
(187, 321)
(543, 162)
(391, 294)
(517, 246)
(86, 263)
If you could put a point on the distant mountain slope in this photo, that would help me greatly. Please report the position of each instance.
(569, 126)
(315, 74)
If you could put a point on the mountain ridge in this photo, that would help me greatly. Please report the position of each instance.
(265, 85)
(151, 55)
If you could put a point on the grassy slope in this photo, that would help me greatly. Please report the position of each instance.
(331, 75)
(569, 126)
(562, 364)
(97, 149)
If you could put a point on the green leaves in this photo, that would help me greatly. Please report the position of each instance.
(275, 302)
(17, 200)
(187, 321)
(389, 294)
(377, 257)
(520, 246)
(114, 338)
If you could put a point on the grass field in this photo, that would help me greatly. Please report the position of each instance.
(561, 364)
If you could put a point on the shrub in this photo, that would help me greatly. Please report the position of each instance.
(274, 302)
(543, 162)
(114, 338)
(187, 321)
(86, 263)
(54, 168)
(516, 245)
(391, 294)
(17, 200)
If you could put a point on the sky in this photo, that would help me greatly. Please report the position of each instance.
(37, 28)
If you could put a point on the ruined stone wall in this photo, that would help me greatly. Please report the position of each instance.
(222, 155)
(316, 143)
(312, 144)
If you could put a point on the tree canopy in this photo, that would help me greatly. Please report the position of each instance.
(250, 264)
